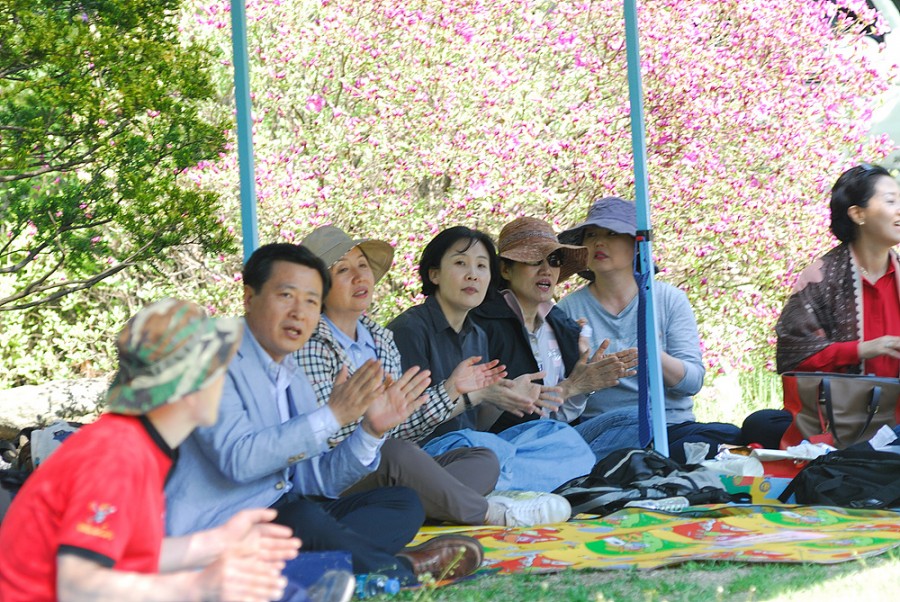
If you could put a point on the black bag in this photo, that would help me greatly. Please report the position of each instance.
(856, 477)
(628, 475)
(18, 453)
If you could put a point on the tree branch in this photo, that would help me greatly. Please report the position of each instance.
(70, 287)
(64, 288)
(33, 253)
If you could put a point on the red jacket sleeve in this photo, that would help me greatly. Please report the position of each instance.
(833, 358)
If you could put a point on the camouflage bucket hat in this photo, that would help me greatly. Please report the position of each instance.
(167, 350)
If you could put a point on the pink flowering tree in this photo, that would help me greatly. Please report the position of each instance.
(396, 120)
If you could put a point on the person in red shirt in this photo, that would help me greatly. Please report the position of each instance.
(844, 312)
(88, 524)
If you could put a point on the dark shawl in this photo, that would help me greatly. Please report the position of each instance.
(825, 307)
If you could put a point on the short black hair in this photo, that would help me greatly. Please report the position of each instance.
(508, 264)
(436, 249)
(258, 268)
(854, 187)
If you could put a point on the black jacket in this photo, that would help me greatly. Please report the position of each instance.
(508, 342)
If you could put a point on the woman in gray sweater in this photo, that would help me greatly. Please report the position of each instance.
(609, 304)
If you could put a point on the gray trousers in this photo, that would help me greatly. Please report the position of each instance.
(451, 486)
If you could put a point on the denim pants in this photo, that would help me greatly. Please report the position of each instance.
(610, 431)
(616, 429)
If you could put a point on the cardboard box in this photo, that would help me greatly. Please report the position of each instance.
(762, 490)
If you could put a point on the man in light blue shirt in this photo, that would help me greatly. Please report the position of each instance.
(270, 446)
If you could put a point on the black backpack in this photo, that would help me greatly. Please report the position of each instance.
(855, 477)
(628, 475)
(17, 454)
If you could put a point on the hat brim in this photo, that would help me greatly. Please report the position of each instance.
(575, 234)
(207, 359)
(379, 253)
(330, 244)
(574, 257)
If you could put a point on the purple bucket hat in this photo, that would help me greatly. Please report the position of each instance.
(609, 212)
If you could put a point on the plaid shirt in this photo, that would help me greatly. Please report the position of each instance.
(323, 357)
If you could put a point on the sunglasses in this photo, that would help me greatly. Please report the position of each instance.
(554, 260)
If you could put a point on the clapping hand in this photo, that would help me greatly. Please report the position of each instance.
(599, 371)
(253, 554)
(518, 396)
(470, 376)
(351, 397)
(397, 402)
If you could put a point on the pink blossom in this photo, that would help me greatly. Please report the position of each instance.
(472, 112)
(315, 103)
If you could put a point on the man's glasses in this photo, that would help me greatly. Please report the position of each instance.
(554, 260)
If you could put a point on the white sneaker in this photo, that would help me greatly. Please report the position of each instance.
(526, 508)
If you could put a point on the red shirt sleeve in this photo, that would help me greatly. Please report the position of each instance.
(97, 521)
(836, 355)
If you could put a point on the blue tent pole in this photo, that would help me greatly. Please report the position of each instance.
(638, 143)
(244, 126)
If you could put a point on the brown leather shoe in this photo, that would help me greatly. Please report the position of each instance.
(445, 556)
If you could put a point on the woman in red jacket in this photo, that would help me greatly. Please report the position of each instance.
(844, 312)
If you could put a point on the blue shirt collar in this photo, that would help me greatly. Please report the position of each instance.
(364, 341)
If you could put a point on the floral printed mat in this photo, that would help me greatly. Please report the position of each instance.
(635, 538)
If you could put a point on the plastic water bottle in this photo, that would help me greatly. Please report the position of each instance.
(374, 584)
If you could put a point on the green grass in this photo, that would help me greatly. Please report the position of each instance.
(732, 397)
(869, 579)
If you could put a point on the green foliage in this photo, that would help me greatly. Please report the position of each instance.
(867, 578)
(74, 336)
(100, 116)
(67, 338)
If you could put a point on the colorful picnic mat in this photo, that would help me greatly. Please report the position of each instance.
(637, 538)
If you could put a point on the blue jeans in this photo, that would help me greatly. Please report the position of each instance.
(610, 431)
(619, 428)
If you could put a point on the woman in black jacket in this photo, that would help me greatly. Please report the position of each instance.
(530, 335)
